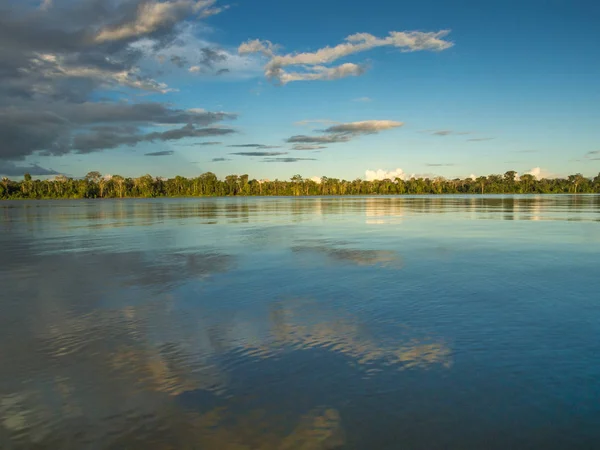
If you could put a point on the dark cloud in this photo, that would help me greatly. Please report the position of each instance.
(287, 160)
(304, 139)
(161, 153)
(220, 159)
(307, 147)
(179, 61)
(210, 56)
(222, 71)
(259, 153)
(354, 256)
(254, 146)
(102, 140)
(10, 169)
(480, 139)
(55, 63)
(199, 144)
(344, 132)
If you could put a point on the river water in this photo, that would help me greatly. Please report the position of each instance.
(423, 322)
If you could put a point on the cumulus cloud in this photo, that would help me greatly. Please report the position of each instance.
(344, 132)
(259, 153)
(161, 153)
(382, 174)
(316, 179)
(267, 48)
(56, 62)
(313, 63)
(155, 16)
(540, 173)
(322, 73)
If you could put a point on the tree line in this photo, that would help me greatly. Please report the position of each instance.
(94, 185)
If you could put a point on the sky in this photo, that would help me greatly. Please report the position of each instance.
(270, 88)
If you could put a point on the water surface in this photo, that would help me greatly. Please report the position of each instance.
(301, 323)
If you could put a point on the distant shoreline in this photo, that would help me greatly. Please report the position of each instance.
(207, 185)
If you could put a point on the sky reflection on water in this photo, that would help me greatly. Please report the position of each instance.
(435, 322)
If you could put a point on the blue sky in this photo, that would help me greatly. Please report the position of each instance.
(512, 85)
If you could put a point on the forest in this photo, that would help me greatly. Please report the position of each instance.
(95, 185)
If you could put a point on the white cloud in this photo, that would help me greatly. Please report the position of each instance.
(46, 5)
(540, 173)
(382, 174)
(322, 73)
(266, 48)
(154, 15)
(194, 69)
(316, 179)
(312, 63)
(362, 99)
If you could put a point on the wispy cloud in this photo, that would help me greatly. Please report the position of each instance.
(220, 159)
(439, 165)
(344, 132)
(363, 99)
(254, 146)
(287, 160)
(308, 147)
(311, 65)
(161, 153)
(445, 132)
(591, 155)
(480, 139)
(204, 143)
(259, 153)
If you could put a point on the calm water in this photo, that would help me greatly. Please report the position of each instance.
(320, 323)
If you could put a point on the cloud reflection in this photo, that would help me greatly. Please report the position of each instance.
(360, 257)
